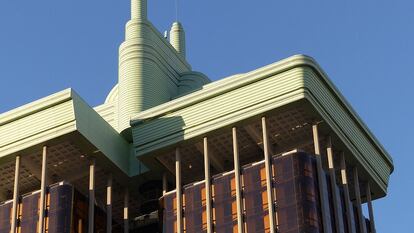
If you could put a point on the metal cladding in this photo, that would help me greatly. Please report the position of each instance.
(242, 97)
(177, 38)
(150, 68)
(159, 108)
(132, 65)
(139, 9)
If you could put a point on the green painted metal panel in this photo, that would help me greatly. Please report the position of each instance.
(221, 110)
(59, 115)
(241, 97)
(149, 70)
(105, 138)
(107, 112)
(340, 119)
(36, 122)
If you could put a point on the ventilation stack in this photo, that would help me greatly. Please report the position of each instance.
(177, 38)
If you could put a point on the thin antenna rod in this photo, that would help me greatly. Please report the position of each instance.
(176, 10)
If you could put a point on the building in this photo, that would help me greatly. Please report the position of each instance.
(277, 149)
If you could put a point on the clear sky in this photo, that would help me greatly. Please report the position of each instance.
(366, 47)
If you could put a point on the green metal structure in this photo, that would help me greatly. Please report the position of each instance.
(160, 103)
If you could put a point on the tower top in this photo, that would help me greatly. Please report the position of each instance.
(177, 38)
(139, 9)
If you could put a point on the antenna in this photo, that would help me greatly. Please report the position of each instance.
(176, 10)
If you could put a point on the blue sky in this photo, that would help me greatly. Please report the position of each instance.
(366, 47)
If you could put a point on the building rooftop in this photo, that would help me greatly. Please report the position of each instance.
(160, 103)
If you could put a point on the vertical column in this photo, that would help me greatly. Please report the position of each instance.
(109, 204)
(208, 186)
(178, 189)
(347, 200)
(15, 195)
(164, 184)
(238, 181)
(268, 167)
(80, 226)
(91, 213)
(361, 219)
(139, 9)
(321, 182)
(126, 214)
(336, 204)
(370, 209)
(41, 226)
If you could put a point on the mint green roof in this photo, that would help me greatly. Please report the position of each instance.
(58, 116)
(237, 98)
(164, 103)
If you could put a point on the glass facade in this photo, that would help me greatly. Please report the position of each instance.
(169, 213)
(59, 205)
(195, 216)
(224, 199)
(297, 196)
(29, 213)
(295, 190)
(66, 212)
(5, 217)
(255, 198)
(79, 217)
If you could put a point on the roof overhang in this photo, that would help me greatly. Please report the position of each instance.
(242, 97)
(61, 117)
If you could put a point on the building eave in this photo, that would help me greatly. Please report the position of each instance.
(63, 116)
(234, 99)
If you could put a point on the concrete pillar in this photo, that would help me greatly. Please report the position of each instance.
(109, 204)
(126, 214)
(269, 177)
(15, 195)
(332, 175)
(207, 180)
(327, 228)
(164, 184)
(41, 226)
(91, 213)
(348, 207)
(237, 176)
(80, 226)
(178, 188)
(370, 208)
(358, 202)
